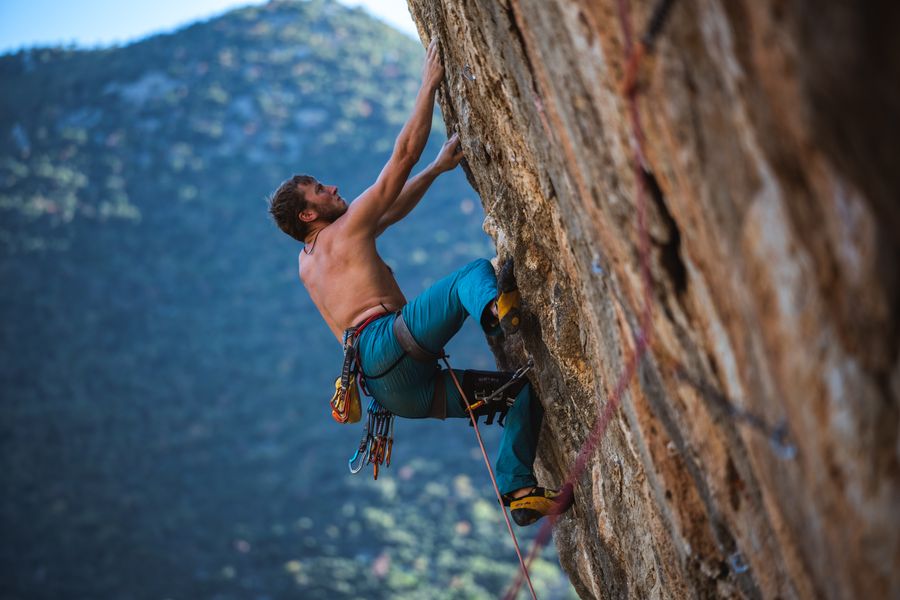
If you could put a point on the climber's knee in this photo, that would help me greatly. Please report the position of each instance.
(482, 263)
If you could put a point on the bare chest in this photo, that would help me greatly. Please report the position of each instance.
(342, 282)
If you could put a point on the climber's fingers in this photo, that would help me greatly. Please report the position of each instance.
(457, 153)
(450, 154)
(433, 71)
(455, 146)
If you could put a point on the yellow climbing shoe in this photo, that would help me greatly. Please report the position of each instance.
(509, 300)
(538, 503)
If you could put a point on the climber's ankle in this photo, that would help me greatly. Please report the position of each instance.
(489, 320)
(521, 492)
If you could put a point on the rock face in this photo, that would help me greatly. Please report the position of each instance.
(755, 449)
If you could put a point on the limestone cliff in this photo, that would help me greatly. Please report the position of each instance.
(755, 450)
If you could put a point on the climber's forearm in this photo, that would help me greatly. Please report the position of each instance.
(409, 197)
(414, 135)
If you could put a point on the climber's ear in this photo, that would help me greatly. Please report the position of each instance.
(308, 215)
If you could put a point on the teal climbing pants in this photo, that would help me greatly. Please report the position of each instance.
(406, 388)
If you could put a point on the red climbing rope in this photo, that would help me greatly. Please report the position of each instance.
(633, 56)
(524, 567)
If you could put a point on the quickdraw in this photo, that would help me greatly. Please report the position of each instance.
(495, 401)
(644, 46)
(377, 441)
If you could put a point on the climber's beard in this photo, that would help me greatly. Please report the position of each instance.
(334, 212)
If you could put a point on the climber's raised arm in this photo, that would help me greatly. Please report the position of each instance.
(447, 160)
(366, 212)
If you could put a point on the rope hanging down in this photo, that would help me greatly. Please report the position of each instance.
(633, 58)
(777, 435)
(471, 410)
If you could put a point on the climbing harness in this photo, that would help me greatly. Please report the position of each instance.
(495, 392)
(378, 437)
(345, 403)
(377, 441)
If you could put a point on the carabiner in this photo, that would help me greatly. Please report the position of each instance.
(364, 448)
(519, 374)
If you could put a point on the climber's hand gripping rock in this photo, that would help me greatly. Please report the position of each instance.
(432, 70)
(450, 155)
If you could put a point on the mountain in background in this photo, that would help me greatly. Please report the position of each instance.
(164, 429)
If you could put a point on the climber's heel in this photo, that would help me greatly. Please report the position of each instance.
(538, 503)
(508, 310)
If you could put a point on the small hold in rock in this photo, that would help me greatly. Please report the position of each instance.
(467, 73)
(780, 443)
(597, 263)
(738, 563)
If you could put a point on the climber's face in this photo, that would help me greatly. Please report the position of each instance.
(323, 202)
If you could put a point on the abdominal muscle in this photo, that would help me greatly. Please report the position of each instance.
(348, 284)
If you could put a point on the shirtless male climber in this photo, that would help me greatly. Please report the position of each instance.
(356, 293)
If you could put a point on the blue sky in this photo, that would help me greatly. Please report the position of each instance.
(104, 22)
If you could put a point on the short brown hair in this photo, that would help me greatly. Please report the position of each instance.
(287, 203)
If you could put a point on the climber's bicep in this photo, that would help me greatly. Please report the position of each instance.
(386, 221)
(371, 211)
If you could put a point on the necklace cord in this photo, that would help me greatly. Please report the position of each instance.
(313, 245)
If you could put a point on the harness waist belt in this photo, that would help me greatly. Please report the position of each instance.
(357, 329)
(415, 350)
(410, 345)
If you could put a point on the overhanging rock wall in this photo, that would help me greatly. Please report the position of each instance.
(770, 129)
